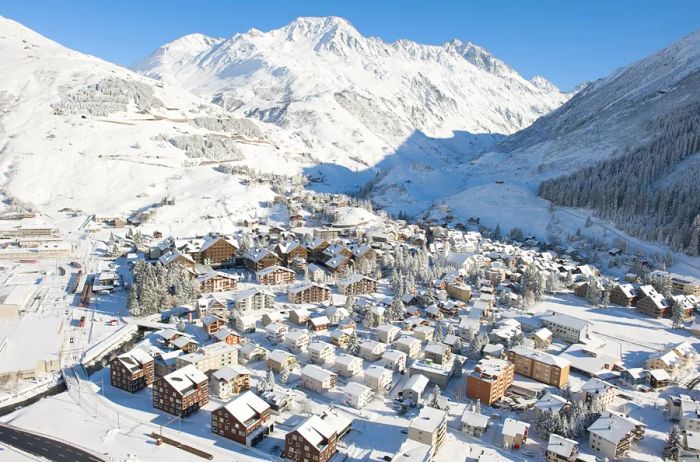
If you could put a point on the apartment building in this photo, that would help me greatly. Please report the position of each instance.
(132, 371)
(490, 380)
(429, 428)
(245, 420)
(210, 357)
(181, 392)
(540, 366)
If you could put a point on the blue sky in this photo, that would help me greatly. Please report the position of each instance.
(566, 41)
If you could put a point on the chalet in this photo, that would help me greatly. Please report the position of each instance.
(313, 440)
(215, 251)
(363, 252)
(212, 324)
(132, 371)
(315, 273)
(652, 303)
(318, 379)
(288, 251)
(297, 341)
(228, 336)
(541, 338)
(316, 249)
(299, 316)
(229, 381)
(348, 365)
(182, 392)
(659, 378)
(337, 264)
(356, 284)
(216, 281)
(309, 293)
(275, 275)
(673, 360)
(623, 295)
(178, 258)
(319, 323)
(280, 359)
(260, 258)
(245, 420)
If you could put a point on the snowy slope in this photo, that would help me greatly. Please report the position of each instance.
(607, 117)
(321, 78)
(79, 132)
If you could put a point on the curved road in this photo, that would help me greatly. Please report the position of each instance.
(45, 447)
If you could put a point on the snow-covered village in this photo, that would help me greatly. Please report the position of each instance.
(320, 242)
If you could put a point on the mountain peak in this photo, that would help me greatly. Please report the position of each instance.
(478, 56)
(543, 84)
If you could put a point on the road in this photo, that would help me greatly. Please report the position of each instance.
(45, 447)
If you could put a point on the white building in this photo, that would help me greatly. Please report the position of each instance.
(372, 350)
(348, 365)
(357, 395)
(318, 379)
(567, 328)
(321, 352)
(378, 378)
(297, 341)
(409, 345)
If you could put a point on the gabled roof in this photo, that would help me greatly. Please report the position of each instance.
(246, 407)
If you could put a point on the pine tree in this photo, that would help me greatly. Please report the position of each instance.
(270, 380)
(674, 444)
(435, 398)
(284, 376)
(497, 232)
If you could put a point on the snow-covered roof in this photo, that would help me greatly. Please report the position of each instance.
(246, 407)
(315, 431)
(566, 320)
(184, 379)
(429, 420)
(416, 383)
(272, 269)
(473, 419)
(561, 446)
(613, 427)
(356, 389)
(512, 427)
(317, 373)
(540, 356)
(228, 373)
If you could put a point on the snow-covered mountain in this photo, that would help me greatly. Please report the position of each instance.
(605, 119)
(322, 78)
(79, 132)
